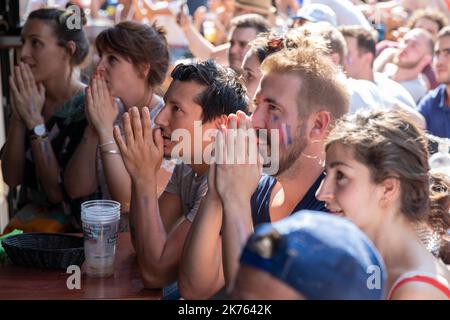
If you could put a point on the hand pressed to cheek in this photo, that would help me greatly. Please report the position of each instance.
(240, 164)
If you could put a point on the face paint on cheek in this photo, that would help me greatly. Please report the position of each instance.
(282, 134)
(349, 61)
(275, 118)
(285, 134)
(288, 135)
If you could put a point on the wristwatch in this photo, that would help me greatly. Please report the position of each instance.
(38, 132)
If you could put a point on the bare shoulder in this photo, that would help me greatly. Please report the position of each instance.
(443, 270)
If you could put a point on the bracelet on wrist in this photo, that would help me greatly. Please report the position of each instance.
(111, 152)
(106, 143)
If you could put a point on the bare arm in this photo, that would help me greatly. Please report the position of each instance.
(47, 169)
(80, 176)
(236, 197)
(385, 57)
(29, 98)
(201, 270)
(155, 9)
(116, 176)
(13, 157)
(169, 205)
(199, 46)
(158, 250)
(237, 227)
(102, 111)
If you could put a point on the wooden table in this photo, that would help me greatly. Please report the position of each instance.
(28, 283)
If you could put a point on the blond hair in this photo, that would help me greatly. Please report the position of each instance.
(321, 86)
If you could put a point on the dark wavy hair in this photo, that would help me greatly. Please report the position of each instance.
(223, 94)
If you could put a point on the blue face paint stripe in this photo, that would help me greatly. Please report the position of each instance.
(288, 134)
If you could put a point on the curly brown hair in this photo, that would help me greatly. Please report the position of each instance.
(439, 218)
(436, 16)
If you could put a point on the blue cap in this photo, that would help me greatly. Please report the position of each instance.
(323, 257)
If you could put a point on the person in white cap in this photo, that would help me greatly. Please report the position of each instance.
(315, 12)
(346, 12)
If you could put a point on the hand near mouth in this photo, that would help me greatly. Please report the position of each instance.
(142, 150)
(101, 108)
(239, 164)
(28, 96)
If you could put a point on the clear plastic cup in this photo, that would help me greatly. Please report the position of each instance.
(100, 220)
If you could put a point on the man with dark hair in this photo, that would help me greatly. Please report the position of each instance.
(431, 20)
(435, 106)
(198, 100)
(361, 47)
(244, 29)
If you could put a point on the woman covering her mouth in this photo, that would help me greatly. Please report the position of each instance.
(134, 60)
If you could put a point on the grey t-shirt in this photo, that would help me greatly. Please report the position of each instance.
(190, 187)
(417, 87)
(393, 90)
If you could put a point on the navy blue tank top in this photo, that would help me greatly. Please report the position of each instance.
(260, 201)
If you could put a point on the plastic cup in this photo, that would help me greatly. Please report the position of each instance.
(100, 220)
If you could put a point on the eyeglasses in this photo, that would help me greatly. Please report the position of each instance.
(182, 71)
